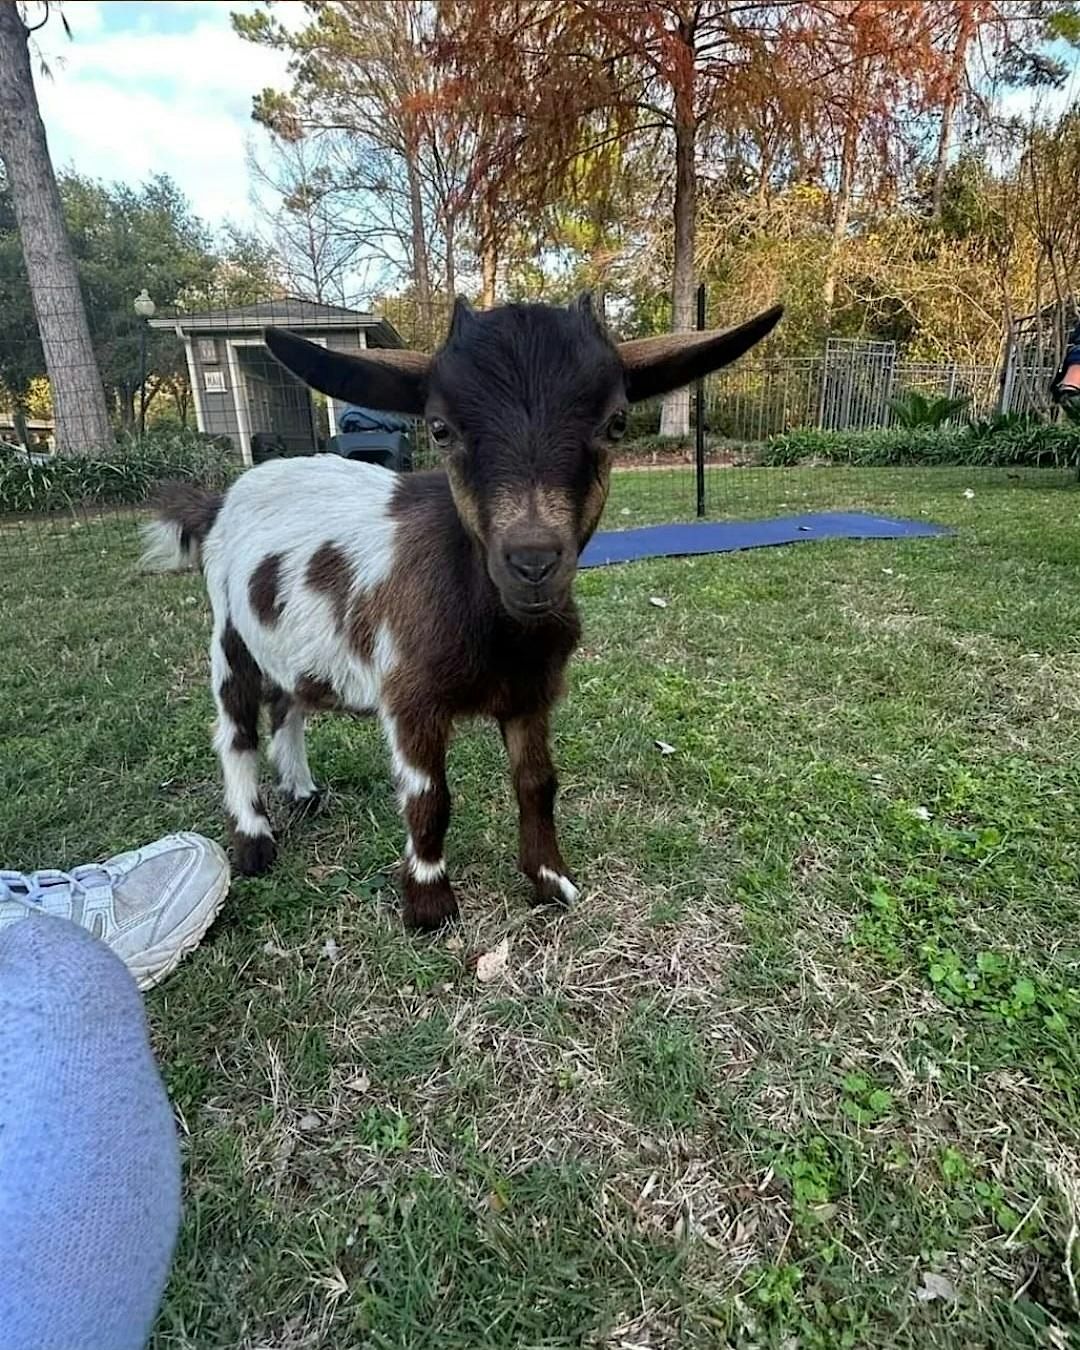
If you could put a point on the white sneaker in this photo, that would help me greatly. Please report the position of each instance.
(151, 906)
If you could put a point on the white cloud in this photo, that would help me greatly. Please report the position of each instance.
(125, 103)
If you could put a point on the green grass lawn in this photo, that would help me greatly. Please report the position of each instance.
(803, 1067)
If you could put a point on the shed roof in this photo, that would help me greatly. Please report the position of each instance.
(288, 312)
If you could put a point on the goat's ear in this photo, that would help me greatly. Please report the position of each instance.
(385, 378)
(656, 365)
(460, 316)
(585, 305)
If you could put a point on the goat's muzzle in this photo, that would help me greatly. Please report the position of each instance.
(533, 572)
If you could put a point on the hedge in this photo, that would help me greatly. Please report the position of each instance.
(126, 475)
(1001, 441)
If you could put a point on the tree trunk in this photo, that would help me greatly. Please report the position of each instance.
(675, 413)
(421, 272)
(451, 261)
(82, 420)
(949, 102)
(489, 266)
(841, 212)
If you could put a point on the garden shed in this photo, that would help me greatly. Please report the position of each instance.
(239, 390)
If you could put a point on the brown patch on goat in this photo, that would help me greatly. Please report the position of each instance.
(329, 573)
(190, 507)
(595, 500)
(554, 507)
(241, 690)
(316, 694)
(263, 590)
(535, 785)
(550, 507)
(362, 625)
(466, 504)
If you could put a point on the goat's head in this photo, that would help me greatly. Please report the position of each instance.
(525, 402)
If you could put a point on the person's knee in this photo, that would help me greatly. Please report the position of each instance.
(59, 970)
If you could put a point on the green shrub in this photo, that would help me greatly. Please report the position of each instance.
(129, 474)
(999, 441)
(912, 409)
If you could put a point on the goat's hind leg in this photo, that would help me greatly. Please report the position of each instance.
(237, 683)
(288, 751)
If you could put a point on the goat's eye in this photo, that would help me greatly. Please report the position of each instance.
(616, 426)
(440, 431)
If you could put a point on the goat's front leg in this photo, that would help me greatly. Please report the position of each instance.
(419, 756)
(535, 784)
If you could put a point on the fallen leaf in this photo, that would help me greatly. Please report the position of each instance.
(658, 601)
(360, 1083)
(934, 1287)
(492, 964)
(454, 943)
(664, 748)
(496, 1202)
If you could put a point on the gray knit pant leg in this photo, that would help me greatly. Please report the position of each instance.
(89, 1165)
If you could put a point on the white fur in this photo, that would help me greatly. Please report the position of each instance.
(411, 781)
(424, 872)
(162, 549)
(566, 887)
(288, 754)
(292, 507)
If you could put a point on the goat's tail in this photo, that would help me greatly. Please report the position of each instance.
(184, 515)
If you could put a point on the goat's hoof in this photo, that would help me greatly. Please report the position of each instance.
(428, 906)
(554, 888)
(300, 807)
(253, 854)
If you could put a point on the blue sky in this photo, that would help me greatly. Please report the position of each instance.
(158, 87)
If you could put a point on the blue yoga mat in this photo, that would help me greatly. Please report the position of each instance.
(726, 536)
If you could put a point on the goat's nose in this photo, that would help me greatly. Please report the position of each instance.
(533, 565)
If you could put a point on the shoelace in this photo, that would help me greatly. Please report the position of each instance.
(31, 888)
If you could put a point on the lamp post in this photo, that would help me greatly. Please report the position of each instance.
(144, 308)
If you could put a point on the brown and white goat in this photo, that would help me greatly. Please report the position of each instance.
(424, 597)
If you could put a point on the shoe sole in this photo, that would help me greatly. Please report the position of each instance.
(156, 964)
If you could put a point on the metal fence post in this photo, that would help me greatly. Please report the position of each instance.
(699, 413)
